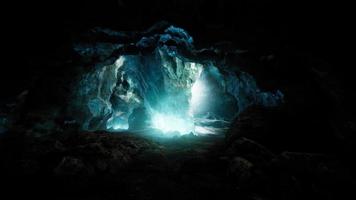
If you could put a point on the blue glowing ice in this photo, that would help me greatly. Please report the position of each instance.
(164, 89)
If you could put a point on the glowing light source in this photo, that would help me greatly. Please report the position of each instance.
(198, 91)
(172, 124)
(120, 126)
(117, 122)
(175, 124)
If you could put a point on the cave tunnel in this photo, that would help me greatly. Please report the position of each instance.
(164, 88)
(180, 99)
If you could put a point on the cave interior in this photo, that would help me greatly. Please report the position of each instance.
(177, 99)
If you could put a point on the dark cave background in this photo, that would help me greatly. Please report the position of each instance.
(298, 47)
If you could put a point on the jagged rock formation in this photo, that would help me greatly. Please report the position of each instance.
(156, 71)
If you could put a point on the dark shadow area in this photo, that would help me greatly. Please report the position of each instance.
(301, 149)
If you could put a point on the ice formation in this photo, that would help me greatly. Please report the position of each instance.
(165, 87)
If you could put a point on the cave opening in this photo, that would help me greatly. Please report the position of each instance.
(168, 90)
(183, 101)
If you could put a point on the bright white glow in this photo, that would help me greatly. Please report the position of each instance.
(198, 93)
(117, 122)
(119, 62)
(201, 130)
(120, 126)
(171, 123)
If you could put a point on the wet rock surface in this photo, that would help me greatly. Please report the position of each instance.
(92, 165)
(303, 149)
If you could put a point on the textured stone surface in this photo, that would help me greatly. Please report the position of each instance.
(158, 75)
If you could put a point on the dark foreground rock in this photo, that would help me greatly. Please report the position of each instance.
(85, 153)
(301, 150)
(100, 165)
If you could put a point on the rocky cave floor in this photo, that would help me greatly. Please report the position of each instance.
(250, 162)
(303, 149)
